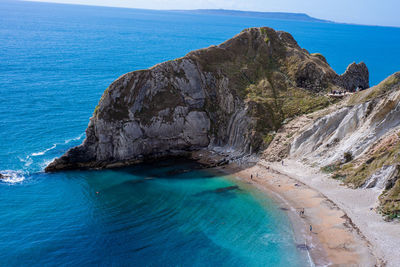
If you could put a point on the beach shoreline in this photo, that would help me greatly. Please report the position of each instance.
(334, 239)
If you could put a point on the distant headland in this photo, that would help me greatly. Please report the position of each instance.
(256, 14)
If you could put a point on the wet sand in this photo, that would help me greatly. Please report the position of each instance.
(334, 239)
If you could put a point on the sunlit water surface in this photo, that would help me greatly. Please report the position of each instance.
(55, 62)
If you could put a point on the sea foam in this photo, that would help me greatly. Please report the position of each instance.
(12, 176)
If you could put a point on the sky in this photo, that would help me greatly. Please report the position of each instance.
(369, 12)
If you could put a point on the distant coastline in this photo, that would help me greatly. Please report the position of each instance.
(292, 16)
(255, 14)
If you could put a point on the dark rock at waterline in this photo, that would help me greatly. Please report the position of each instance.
(4, 176)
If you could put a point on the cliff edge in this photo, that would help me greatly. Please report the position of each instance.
(230, 97)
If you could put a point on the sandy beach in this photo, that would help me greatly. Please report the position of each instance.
(345, 231)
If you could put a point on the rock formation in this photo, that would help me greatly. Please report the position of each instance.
(355, 76)
(359, 142)
(230, 97)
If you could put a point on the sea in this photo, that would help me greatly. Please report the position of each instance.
(55, 62)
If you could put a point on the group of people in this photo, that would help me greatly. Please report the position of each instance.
(334, 92)
(301, 213)
(344, 92)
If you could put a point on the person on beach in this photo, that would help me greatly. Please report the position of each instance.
(310, 228)
(251, 176)
(282, 162)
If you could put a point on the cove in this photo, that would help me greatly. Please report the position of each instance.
(165, 213)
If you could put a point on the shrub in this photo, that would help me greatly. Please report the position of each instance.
(329, 168)
(347, 157)
(268, 138)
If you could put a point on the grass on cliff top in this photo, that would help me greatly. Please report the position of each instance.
(387, 85)
(320, 56)
(288, 103)
(273, 102)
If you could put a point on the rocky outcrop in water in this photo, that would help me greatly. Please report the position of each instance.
(230, 98)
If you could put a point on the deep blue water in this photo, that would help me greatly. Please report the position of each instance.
(55, 62)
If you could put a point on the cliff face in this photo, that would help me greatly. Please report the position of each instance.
(359, 143)
(232, 97)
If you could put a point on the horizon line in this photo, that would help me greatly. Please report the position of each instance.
(214, 9)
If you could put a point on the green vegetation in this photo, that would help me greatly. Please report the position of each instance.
(386, 154)
(268, 138)
(320, 56)
(390, 201)
(329, 168)
(353, 173)
(299, 101)
(390, 83)
(263, 30)
(274, 102)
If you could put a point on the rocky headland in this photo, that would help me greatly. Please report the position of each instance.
(227, 98)
(260, 95)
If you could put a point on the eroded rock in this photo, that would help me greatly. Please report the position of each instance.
(225, 98)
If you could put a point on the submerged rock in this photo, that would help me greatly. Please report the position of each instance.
(229, 97)
(219, 190)
(226, 189)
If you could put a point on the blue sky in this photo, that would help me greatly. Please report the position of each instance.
(371, 12)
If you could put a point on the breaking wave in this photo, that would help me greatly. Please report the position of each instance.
(41, 153)
(12, 177)
(37, 161)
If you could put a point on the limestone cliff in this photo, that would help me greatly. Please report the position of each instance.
(230, 97)
(359, 142)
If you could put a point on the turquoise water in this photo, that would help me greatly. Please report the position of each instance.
(55, 62)
(157, 215)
